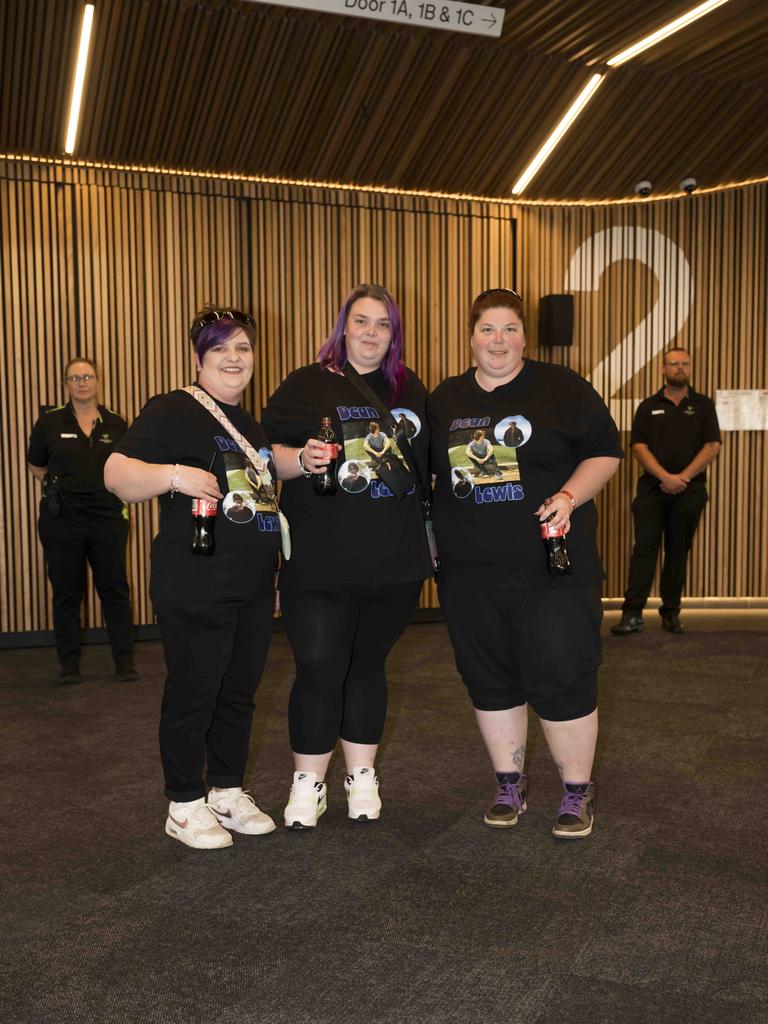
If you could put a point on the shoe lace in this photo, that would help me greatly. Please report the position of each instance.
(204, 817)
(242, 803)
(509, 793)
(573, 803)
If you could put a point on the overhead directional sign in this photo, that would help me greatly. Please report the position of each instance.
(445, 14)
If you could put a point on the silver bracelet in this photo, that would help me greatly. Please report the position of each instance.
(175, 480)
(302, 467)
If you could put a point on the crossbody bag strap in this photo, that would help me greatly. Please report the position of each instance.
(208, 403)
(251, 454)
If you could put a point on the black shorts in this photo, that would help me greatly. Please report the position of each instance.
(537, 647)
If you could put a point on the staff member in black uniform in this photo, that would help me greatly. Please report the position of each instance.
(521, 636)
(80, 521)
(359, 557)
(214, 612)
(675, 436)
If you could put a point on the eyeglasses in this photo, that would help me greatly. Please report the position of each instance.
(214, 315)
(80, 378)
(677, 362)
(507, 291)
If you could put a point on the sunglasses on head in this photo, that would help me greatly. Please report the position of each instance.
(214, 315)
(507, 291)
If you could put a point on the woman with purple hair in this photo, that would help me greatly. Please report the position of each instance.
(359, 556)
(190, 448)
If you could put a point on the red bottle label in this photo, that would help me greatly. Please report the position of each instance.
(204, 507)
(548, 530)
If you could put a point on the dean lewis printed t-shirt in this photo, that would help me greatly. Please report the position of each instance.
(497, 455)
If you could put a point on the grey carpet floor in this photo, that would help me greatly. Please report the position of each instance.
(425, 916)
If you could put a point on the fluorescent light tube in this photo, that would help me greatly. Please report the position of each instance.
(77, 87)
(666, 30)
(557, 133)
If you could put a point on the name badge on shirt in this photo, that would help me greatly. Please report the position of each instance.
(657, 412)
(69, 435)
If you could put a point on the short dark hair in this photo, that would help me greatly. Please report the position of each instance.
(82, 359)
(675, 348)
(496, 298)
(214, 324)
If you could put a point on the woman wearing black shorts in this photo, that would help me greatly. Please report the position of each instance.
(521, 636)
(346, 599)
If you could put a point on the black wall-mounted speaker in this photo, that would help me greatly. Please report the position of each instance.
(556, 320)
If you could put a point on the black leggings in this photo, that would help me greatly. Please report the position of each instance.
(340, 642)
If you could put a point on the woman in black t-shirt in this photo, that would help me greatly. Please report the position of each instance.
(214, 613)
(359, 556)
(80, 522)
(520, 636)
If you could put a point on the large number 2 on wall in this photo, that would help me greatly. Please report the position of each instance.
(659, 328)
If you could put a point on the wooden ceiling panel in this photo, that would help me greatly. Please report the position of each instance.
(234, 86)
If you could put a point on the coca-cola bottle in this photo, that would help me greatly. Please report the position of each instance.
(203, 525)
(325, 482)
(557, 553)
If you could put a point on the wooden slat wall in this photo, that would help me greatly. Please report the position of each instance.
(724, 239)
(114, 264)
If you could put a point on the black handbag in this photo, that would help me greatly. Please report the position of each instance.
(394, 468)
(395, 474)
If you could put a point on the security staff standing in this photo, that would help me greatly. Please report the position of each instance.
(675, 436)
(80, 521)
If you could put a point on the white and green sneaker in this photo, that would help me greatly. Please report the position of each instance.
(307, 801)
(363, 801)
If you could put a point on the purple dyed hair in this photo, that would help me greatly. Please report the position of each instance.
(333, 354)
(204, 338)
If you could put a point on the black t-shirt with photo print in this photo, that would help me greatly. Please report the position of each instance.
(175, 428)
(363, 536)
(484, 514)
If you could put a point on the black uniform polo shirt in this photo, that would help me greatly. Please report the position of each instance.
(676, 433)
(58, 443)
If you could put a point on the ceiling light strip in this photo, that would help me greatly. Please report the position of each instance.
(557, 133)
(77, 86)
(666, 30)
(341, 186)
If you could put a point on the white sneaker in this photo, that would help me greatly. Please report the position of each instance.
(237, 811)
(307, 801)
(193, 824)
(363, 801)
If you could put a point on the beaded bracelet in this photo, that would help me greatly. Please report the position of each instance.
(569, 496)
(175, 480)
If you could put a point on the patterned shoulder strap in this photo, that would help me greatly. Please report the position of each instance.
(208, 403)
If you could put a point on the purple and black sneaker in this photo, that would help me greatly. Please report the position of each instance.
(508, 804)
(577, 811)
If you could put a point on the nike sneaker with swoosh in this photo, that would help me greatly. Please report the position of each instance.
(236, 810)
(307, 802)
(363, 801)
(192, 823)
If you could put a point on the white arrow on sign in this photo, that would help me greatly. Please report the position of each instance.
(444, 14)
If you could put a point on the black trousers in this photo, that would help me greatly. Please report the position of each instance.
(340, 642)
(70, 543)
(214, 654)
(673, 517)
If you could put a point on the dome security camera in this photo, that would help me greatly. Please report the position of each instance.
(643, 188)
(688, 185)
